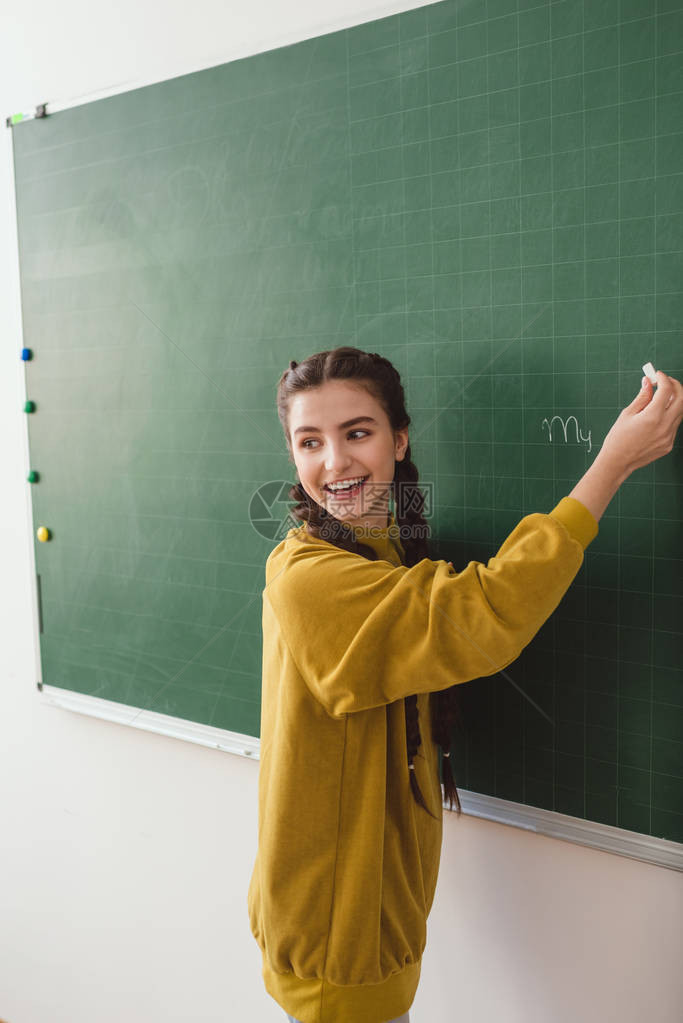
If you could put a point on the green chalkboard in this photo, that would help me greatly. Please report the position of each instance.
(489, 194)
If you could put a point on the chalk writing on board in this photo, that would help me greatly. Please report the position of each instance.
(564, 424)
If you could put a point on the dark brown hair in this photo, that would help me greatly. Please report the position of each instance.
(381, 379)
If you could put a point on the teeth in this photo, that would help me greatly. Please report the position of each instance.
(347, 485)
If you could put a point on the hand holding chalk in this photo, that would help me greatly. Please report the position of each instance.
(651, 375)
(645, 430)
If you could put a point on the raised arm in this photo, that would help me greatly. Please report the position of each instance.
(364, 633)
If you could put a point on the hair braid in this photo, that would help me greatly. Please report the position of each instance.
(443, 703)
(382, 380)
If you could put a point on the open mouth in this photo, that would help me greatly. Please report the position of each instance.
(346, 491)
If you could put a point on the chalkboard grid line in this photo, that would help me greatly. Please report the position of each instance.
(586, 615)
(617, 499)
(656, 363)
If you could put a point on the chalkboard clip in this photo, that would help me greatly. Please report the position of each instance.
(39, 112)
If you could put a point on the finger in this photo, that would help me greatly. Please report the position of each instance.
(678, 389)
(665, 389)
(642, 398)
(676, 396)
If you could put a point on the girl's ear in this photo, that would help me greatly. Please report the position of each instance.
(401, 444)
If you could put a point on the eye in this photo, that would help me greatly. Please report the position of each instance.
(305, 443)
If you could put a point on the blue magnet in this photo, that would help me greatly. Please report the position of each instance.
(26, 354)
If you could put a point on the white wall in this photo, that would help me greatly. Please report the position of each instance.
(125, 856)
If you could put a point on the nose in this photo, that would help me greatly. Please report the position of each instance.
(337, 457)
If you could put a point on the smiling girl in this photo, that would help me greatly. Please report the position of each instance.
(365, 639)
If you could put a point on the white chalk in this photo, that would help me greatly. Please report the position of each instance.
(649, 371)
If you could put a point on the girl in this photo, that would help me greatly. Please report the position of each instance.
(364, 640)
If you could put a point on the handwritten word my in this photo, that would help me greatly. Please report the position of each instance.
(564, 424)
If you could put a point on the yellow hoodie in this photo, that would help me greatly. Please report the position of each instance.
(347, 861)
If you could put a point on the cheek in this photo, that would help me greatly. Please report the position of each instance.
(304, 469)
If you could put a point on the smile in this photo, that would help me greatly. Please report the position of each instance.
(346, 491)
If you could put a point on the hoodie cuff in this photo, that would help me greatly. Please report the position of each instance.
(578, 520)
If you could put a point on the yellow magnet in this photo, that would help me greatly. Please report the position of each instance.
(43, 534)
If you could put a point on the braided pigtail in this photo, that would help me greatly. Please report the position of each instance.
(444, 707)
(413, 742)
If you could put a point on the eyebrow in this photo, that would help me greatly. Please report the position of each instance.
(342, 426)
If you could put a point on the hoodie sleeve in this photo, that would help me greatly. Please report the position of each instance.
(363, 633)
